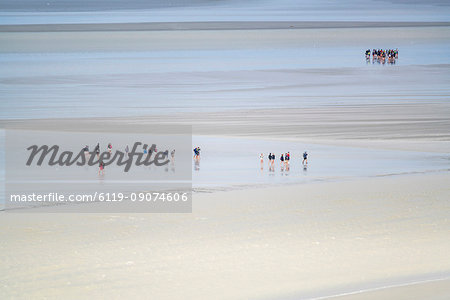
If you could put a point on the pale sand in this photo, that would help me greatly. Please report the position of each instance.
(60, 41)
(296, 242)
(437, 290)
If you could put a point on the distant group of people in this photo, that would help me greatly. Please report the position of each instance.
(284, 159)
(96, 149)
(381, 56)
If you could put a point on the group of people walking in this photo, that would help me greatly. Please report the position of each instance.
(96, 149)
(380, 55)
(284, 159)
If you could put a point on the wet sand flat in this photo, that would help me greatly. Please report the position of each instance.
(92, 39)
(383, 126)
(110, 74)
(236, 25)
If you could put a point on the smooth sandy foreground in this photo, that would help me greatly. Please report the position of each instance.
(294, 242)
(438, 289)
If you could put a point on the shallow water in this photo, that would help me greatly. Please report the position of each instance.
(234, 162)
(270, 69)
(41, 11)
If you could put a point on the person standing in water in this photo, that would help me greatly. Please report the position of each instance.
(197, 153)
(101, 167)
(305, 158)
(86, 150)
(97, 150)
(109, 147)
(287, 158)
(282, 159)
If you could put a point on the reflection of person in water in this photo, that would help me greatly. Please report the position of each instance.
(172, 155)
(197, 164)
